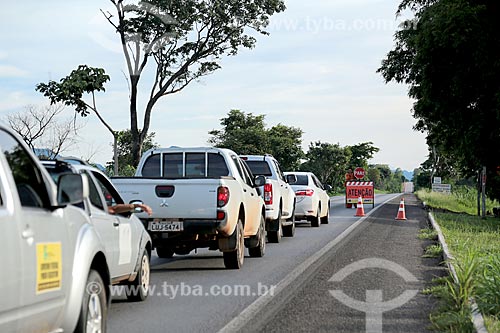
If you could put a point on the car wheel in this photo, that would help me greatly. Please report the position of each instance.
(315, 220)
(260, 249)
(164, 252)
(94, 305)
(141, 282)
(274, 236)
(324, 219)
(234, 259)
(289, 230)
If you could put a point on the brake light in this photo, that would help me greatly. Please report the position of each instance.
(268, 194)
(222, 196)
(308, 193)
(221, 215)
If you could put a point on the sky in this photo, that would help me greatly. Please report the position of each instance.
(315, 71)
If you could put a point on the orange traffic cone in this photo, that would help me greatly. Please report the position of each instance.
(360, 210)
(401, 212)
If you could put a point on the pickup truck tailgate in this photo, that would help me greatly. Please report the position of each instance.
(173, 199)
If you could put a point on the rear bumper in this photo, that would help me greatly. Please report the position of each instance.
(191, 227)
(305, 208)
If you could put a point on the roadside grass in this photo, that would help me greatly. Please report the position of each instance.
(462, 200)
(433, 251)
(428, 233)
(475, 244)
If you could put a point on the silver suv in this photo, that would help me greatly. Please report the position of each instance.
(123, 234)
(54, 268)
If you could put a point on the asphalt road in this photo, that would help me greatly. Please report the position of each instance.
(288, 289)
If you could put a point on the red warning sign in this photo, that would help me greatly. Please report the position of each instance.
(354, 190)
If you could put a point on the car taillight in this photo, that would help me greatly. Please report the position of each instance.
(268, 194)
(222, 196)
(306, 193)
(221, 215)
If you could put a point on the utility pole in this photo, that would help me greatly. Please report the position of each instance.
(479, 174)
(483, 192)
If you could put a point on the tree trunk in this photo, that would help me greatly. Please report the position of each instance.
(115, 153)
(136, 142)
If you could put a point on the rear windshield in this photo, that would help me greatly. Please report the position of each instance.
(302, 180)
(189, 165)
(259, 168)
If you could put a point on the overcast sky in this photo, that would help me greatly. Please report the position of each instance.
(316, 71)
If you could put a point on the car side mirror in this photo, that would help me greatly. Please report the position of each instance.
(259, 181)
(328, 187)
(72, 188)
(291, 179)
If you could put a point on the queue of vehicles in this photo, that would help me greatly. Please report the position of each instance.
(68, 249)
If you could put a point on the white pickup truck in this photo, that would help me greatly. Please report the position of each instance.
(53, 268)
(201, 197)
(278, 196)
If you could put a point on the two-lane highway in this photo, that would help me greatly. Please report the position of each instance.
(195, 293)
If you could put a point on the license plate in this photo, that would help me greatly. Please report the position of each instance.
(165, 226)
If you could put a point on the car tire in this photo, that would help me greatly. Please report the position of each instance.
(289, 230)
(259, 250)
(234, 259)
(324, 219)
(94, 308)
(164, 252)
(139, 292)
(274, 236)
(315, 220)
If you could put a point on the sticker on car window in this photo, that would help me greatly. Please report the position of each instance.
(48, 267)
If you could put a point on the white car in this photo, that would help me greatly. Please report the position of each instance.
(124, 236)
(313, 202)
(278, 196)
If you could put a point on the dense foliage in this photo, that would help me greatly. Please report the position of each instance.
(448, 55)
(246, 134)
(125, 157)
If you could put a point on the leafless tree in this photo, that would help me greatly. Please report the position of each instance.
(44, 127)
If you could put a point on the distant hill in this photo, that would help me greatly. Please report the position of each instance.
(408, 174)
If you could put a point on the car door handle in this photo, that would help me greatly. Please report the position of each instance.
(27, 233)
(116, 223)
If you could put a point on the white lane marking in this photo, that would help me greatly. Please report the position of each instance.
(241, 321)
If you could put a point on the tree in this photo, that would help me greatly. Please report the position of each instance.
(285, 144)
(328, 162)
(185, 40)
(360, 154)
(374, 175)
(124, 152)
(43, 127)
(71, 91)
(450, 61)
(241, 132)
(246, 134)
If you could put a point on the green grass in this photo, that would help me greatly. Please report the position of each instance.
(430, 234)
(461, 200)
(475, 244)
(433, 251)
